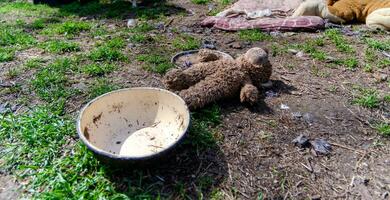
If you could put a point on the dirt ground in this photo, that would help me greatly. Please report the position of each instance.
(255, 157)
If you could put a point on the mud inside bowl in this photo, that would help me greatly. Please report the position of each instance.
(135, 123)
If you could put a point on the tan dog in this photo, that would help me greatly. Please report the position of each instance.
(375, 13)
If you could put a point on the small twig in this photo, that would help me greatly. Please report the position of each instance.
(360, 160)
(307, 167)
(345, 147)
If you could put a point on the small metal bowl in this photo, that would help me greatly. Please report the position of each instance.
(135, 124)
(190, 56)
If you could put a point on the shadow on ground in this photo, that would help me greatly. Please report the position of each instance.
(188, 172)
(149, 9)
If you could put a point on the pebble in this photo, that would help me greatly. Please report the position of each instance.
(284, 107)
(301, 141)
(381, 77)
(293, 51)
(316, 197)
(131, 23)
(300, 54)
(209, 44)
(236, 45)
(271, 93)
(309, 118)
(296, 115)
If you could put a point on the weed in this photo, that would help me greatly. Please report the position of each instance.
(101, 86)
(142, 28)
(378, 45)
(336, 37)
(186, 42)
(60, 47)
(13, 72)
(50, 82)
(106, 53)
(200, 135)
(34, 63)
(350, 63)
(68, 28)
(368, 98)
(254, 35)
(200, 1)
(386, 98)
(383, 63)
(140, 38)
(310, 47)
(155, 63)
(277, 50)
(41, 23)
(383, 129)
(6, 54)
(368, 68)
(98, 69)
(10, 36)
(116, 43)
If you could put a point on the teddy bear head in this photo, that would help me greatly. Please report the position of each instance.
(255, 62)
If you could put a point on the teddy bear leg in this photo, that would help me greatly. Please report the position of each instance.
(379, 19)
(213, 88)
(249, 93)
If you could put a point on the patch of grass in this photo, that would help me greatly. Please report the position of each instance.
(142, 27)
(50, 82)
(140, 38)
(68, 28)
(367, 98)
(60, 46)
(6, 54)
(254, 35)
(310, 47)
(34, 148)
(27, 9)
(10, 36)
(98, 69)
(278, 50)
(350, 63)
(34, 63)
(106, 53)
(13, 73)
(383, 63)
(200, 136)
(101, 86)
(337, 38)
(386, 98)
(378, 45)
(186, 42)
(42, 23)
(200, 1)
(383, 129)
(155, 63)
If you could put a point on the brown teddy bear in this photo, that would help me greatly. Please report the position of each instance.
(215, 78)
(375, 13)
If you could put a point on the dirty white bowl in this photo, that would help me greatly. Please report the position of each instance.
(134, 123)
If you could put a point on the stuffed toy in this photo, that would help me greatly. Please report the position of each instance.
(375, 13)
(215, 78)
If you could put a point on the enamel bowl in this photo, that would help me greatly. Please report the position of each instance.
(133, 124)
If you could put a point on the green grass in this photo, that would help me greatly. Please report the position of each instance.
(6, 54)
(367, 98)
(34, 63)
(140, 38)
(350, 63)
(10, 36)
(311, 47)
(200, 1)
(106, 53)
(337, 39)
(68, 28)
(60, 46)
(98, 69)
(155, 63)
(378, 45)
(49, 83)
(383, 129)
(200, 133)
(254, 35)
(142, 27)
(101, 86)
(186, 42)
(34, 148)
